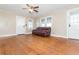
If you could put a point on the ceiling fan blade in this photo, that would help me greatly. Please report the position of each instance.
(27, 5)
(30, 6)
(36, 10)
(36, 7)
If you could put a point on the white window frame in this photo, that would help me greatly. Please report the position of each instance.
(46, 21)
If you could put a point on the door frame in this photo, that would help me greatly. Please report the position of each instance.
(68, 14)
(27, 30)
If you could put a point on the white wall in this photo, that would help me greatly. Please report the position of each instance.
(7, 23)
(60, 23)
(12, 24)
(59, 27)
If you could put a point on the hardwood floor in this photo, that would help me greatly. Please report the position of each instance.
(36, 45)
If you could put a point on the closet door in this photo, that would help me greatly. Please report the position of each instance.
(20, 22)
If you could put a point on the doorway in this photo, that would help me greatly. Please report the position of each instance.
(73, 24)
(29, 26)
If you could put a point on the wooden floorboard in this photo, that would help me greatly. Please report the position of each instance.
(37, 45)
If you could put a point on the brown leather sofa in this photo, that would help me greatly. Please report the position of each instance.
(42, 31)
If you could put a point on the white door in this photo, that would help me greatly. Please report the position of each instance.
(20, 22)
(73, 26)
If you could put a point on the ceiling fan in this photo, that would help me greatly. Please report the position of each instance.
(31, 8)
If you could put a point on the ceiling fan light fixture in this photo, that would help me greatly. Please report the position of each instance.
(30, 10)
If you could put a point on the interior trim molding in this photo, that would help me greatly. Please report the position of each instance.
(59, 36)
(29, 33)
(8, 35)
(11, 35)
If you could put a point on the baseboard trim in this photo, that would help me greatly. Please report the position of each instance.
(29, 33)
(7, 35)
(58, 36)
(12, 35)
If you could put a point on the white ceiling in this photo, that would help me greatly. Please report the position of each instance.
(43, 8)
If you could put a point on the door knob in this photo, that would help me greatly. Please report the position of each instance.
(69, 25)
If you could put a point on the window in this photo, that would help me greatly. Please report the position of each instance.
(43, 22)
(75, 19)
(46, 22)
